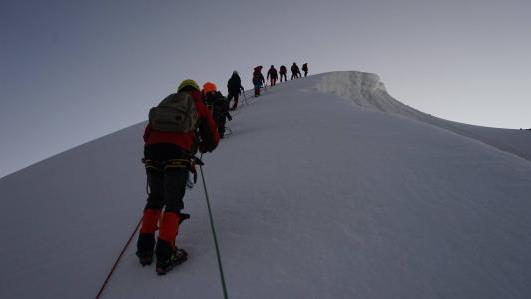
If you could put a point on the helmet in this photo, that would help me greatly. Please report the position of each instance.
(235, 73)
(272, 66)
(188, 83)
(209, 87)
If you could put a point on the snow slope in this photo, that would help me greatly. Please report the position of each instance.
(314, 195)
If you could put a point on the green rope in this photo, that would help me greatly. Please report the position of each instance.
(214, 234)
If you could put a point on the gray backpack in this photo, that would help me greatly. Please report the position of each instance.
(176, 113)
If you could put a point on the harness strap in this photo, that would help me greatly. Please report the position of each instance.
(162, 166)
(165, 165)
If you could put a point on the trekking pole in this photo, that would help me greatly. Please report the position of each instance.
(118, 259)
(212, 226)
(228, 130)
(245, 98)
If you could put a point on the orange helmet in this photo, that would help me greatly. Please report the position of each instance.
(209, 87)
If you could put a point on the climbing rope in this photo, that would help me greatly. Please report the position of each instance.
(213, 227)
(118, 259)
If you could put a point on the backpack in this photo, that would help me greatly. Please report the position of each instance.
(219, 105)
(257, 77)
(273, 73)
(176, 113)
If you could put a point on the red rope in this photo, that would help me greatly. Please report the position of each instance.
(118, 259)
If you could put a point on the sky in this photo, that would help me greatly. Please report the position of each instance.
(72, 71)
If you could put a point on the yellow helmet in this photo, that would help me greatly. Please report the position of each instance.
(188, 83)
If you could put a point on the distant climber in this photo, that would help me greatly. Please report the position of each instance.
(305, 69)
(218, 104)
(258, 80)
(283, 73)
(235, 89)
(295, 72)
(272, 75)
(170, 141)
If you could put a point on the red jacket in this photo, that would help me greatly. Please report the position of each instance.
(188, 141)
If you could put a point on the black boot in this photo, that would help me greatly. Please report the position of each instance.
(145, 245)
(167, 257)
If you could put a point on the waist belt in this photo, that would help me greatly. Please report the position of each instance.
(168, 164)
(162, 166)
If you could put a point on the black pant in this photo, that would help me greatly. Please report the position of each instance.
(283, 75)
(235, 96)
(167, 189)
(220, 118)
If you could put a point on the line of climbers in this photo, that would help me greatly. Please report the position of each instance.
(185, 122)
(272, 75)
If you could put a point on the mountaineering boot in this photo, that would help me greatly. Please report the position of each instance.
(146, 238)
(168, 256)
(167, 253)
(145, 245)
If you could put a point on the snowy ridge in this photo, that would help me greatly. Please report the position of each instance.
(313, 197)
(366, 90)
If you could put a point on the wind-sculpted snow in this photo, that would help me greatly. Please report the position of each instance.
(366, 90)
(313, 197)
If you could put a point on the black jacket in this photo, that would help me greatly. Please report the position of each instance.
(272, 73)
(295, 69)
(257, 76)
(235, 84)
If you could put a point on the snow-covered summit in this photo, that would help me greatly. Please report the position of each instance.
(314, 196)
(366, 90)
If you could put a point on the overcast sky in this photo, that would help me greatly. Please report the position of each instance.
(72, 71)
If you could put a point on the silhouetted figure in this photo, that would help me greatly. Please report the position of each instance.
(305, 69)
(295, 72)
(258, 80)
(272, 75)
(235, 89)
(283, 73)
